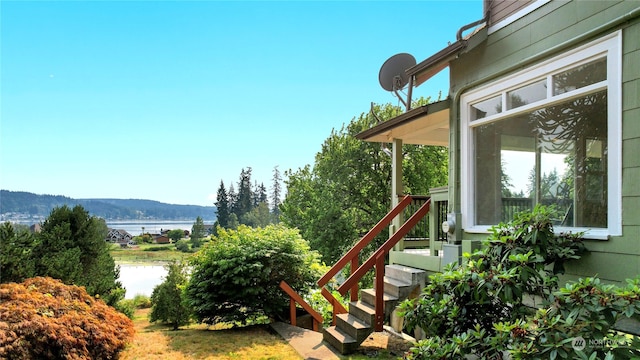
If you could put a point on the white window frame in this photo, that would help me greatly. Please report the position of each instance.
(610, 47)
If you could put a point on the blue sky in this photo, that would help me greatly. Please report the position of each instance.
(162, 100)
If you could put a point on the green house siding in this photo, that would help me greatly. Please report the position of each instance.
(546, 32)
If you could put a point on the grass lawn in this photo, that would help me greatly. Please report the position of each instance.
(156, 342)
(141, 254)
(153, 341)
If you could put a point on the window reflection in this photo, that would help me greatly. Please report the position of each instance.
(580, 76)
(555, 155)
(486, 108)
(527, 94)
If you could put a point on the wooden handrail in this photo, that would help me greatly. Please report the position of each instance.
(295, 298)
(351, 257)
(365, 240)
(385, 248)
(377, 259)
(335, 304)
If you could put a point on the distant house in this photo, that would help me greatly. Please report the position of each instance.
(119, 236)
(35, 228)
(162, 239)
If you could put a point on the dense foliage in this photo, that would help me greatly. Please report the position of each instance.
(346, 192)
(198, 233)
(249, 205)
(235, 278)
(169, 304)
(70, 246)
(16, 253)
(479, 307)
(42, 318)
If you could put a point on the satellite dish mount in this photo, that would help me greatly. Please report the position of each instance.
(393, 76)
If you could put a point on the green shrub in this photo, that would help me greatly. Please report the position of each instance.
(158, 248)
(169, 304)
(127, 307)
(141, 301)
(477, 307)
(183, 246)
(236, 276)
(321, 305)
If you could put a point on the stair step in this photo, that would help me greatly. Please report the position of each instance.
(353, 326)
(363, 311)
(369, 296)
(406, 274)
(398, 288)
(340, 340)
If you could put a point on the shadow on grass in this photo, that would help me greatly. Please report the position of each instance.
(203, 342)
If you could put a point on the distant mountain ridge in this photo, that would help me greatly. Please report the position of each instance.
(21, 205)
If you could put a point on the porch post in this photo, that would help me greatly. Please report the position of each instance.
(396, 187)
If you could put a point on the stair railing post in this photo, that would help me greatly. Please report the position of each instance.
(354, 290)
(292, 312)
(379, 293)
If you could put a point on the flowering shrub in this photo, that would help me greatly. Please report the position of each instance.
(41, 318)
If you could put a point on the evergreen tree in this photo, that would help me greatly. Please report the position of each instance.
(198, 232)
(260, 195)
(222, 206)
(16, 259)
(276, 192)
(245, 194)
(232, 196)
(71, 247)
(169, 301)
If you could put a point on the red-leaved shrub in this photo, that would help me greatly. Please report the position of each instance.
(42, 318)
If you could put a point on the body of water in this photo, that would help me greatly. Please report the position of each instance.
(134, 227)
(141, 279)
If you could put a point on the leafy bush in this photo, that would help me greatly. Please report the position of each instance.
(44, 319)
(141, 301)
(158, 248)
(236, 276)
(183, 246)
(127, 307)
(321, 305)
(467, 305)
(168, 301)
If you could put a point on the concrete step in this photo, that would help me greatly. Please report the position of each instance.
(369, 296)
(353, 326)
(398, 288)
(363, 311)
(406, 274)
(340, 340)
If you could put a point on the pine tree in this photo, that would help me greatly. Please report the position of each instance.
(232, 197)
(222, 206)
(276, 190)
(198, 233)
(245, 194)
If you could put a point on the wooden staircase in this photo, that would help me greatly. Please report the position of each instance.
(368, 308)
(352, 328)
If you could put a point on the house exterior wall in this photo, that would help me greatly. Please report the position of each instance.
(548, 31)
(501, 9)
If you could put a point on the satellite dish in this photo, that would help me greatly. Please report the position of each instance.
(392, 73)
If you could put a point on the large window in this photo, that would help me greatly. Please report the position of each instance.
(547, 135)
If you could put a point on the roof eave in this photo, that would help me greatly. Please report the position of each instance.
(424, 70)
(403, 119)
